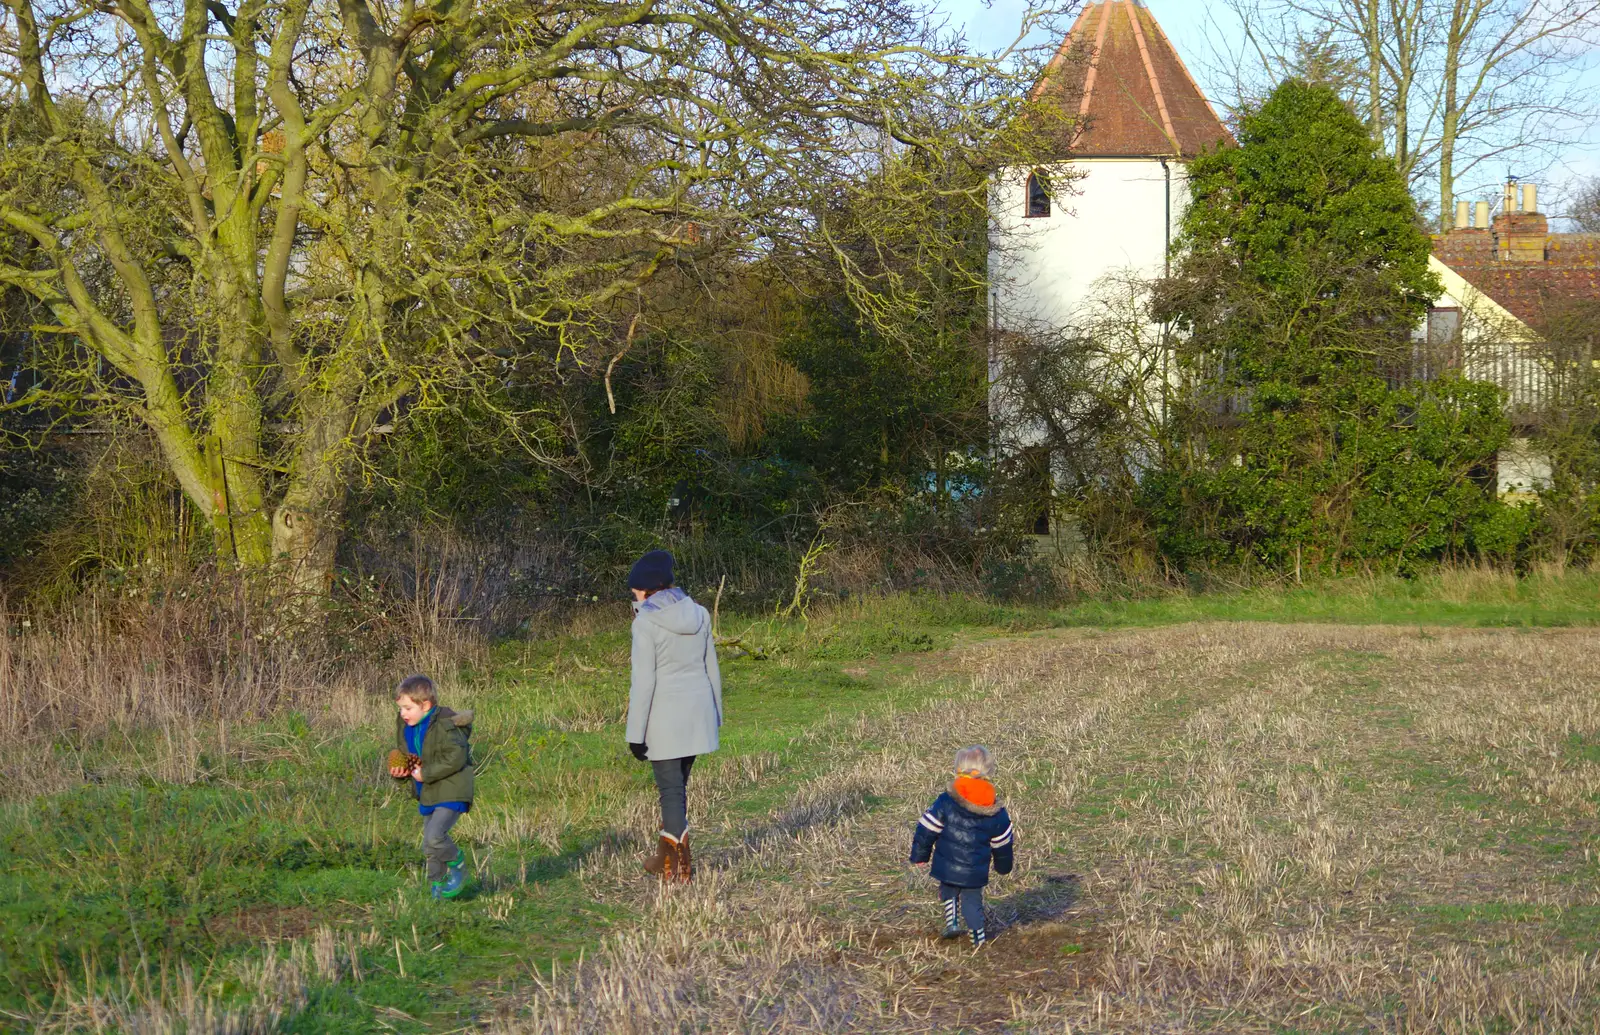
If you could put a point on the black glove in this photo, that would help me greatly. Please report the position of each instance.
(640, 751)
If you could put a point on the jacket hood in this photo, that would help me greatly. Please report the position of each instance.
(981, 810)
(462, 718)
(682, 617)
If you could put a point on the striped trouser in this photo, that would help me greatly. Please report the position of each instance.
(970, 902)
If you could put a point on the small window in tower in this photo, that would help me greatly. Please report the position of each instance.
(1038, 194)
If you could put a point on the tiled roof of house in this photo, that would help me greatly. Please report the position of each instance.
(1569, 270)
(1127, 91)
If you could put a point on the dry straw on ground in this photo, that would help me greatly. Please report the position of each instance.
(188, 673)
(1233, 827)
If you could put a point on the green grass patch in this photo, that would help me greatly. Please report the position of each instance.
(124, 877)
(115, 879)
(1450, 598)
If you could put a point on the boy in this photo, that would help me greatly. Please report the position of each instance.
(441, 775)
(963, 829)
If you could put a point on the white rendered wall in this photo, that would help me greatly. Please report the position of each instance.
(1113, 217)
(1110, 217)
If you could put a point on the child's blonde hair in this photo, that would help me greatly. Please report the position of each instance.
(418, 688)
(974, 761)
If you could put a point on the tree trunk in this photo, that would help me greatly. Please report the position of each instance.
(1373, 40)
(1450, 120)
(307, 523)
(305, 539)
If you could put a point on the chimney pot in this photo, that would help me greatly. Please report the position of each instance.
(1480, 215)
(1509, 204)
(1463, 214)
(1530, 197)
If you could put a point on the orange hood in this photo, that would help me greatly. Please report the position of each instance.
(975, 789)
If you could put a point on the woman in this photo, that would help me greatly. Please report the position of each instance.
(675, 702)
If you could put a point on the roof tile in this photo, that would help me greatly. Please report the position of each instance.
(1525, 289)
(1120, 76)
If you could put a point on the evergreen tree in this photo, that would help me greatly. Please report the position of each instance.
(1311, 434)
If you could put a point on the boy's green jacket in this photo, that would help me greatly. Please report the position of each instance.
(446, 755)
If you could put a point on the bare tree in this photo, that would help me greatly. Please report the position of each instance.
(1449, 86)
(1092, 396)
(1584, 208)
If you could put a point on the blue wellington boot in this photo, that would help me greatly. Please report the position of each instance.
(454, 882)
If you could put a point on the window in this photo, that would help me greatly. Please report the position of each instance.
(1443, 326)
(1038, 194)
(1443, 351)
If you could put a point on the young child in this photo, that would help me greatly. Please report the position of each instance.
(963, 829)
(441, 778)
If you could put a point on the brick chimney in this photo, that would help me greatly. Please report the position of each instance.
(1469, 240)
(1520, 233)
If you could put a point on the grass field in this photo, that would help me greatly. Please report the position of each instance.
(1383, 819)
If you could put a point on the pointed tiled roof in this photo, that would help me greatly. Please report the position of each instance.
(1126, 88)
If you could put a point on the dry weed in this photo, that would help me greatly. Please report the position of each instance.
(181, 672)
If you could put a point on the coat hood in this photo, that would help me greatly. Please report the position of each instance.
(682, 617)
(973, 807)
(462, 719)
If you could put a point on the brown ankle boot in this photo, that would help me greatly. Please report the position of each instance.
(660, 863)
(683, 872)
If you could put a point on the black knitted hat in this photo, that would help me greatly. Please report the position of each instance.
(652, 571)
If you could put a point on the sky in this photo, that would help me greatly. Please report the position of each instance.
(994, 25)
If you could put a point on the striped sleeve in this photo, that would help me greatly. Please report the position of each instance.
(925, 833)
(1000, 845)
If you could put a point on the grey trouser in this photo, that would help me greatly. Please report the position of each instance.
(672, 782)
(971, 900)
(437, 847)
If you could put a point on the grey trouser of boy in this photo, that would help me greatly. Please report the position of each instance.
(971, 901)
(437, 847)
(672, 783)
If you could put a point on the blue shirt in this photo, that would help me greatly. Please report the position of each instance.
(414, 738)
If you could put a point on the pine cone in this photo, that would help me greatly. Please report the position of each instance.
(400, 760)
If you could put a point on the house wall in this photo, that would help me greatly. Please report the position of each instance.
(1108, 216)
(1523, 469)
(1493, 346)
(1112, 217)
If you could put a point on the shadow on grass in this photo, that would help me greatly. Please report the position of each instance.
(813, 808)
(1045, 903)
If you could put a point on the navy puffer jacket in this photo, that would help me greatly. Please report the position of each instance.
(962, 837)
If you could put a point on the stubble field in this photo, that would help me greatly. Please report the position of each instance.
(1222, 825)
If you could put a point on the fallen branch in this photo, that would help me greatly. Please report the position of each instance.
(737, 643)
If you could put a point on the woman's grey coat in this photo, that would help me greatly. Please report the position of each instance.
(675, 702)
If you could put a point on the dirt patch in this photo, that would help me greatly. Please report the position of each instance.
(974, 989)
(258, 923)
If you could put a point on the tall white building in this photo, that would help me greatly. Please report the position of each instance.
(1067, 234)
(1136, 117)
(1112, 203)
